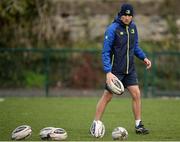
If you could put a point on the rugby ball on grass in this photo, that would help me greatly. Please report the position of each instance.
(52, 133)
(21, 132)
(97, 129)
(58, 134)
(116, 86)
(44, 133)
(119, 133)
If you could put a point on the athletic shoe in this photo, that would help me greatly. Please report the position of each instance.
(140, 129)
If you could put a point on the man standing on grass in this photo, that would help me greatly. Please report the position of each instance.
(120, 46)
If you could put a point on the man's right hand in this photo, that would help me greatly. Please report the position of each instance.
(109, 77)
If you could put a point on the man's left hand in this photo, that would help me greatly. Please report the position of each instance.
(148, 63)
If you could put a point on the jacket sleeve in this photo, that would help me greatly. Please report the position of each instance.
(137, 50)
(107, 48)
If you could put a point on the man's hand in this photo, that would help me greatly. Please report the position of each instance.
(110, 77)
(148, 63)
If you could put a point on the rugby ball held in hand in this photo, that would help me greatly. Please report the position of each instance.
(21, 132)
(115, 86)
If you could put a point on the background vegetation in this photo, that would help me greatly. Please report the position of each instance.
(28, 24)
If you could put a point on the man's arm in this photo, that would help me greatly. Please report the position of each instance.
(107, 46)
(140, 54)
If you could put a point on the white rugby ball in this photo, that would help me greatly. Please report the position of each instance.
(116, 86)
(21, 132)
(58, 134)
(44, 133)
(97, 129)
(119, 133)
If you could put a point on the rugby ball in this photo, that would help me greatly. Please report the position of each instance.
(119, 133)
(21, 132)
(97, 129)
(115, 86)
(44, 133)
(58, 134)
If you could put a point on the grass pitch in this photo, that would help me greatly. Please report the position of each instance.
(75, 115)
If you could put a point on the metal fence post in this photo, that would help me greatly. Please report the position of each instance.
(47, 62)
(145, 90)
(153, 73)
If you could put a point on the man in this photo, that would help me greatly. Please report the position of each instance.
(120, 46)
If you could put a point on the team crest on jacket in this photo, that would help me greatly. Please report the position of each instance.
(132, 31)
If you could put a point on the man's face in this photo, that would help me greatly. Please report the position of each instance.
(126, 19)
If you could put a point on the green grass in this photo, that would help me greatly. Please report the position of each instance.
(75, 115)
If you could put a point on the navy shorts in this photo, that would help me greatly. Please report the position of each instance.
(127, 79)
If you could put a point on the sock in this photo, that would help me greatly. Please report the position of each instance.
(137, 122)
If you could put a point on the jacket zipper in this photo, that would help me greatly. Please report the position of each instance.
(127, 53)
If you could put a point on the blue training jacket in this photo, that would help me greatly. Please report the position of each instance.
(120, 46)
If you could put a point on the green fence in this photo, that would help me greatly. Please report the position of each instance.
(164, 78)
(81, 69)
